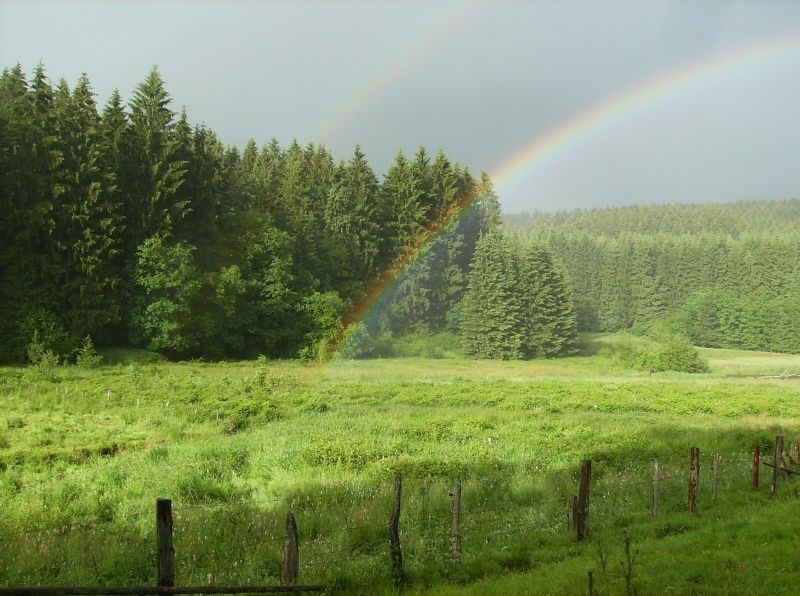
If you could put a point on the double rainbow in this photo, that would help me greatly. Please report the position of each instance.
(610, 111)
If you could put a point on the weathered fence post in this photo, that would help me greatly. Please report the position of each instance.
(694, 477)
(655, 487)
(291, 552)
(394, 535)
(756, 461)
(166, 553)
(455, 525)
(572, 516)
(715, 475)
(776, 471)
(582, 527)
(591, 581)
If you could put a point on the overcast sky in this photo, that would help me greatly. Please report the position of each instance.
(480, 80)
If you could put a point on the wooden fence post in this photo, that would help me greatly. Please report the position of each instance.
(291, 553)
(756, 461)
(582, 526)
(715, 475)
(694, 477)
(572, 514)
(166, 553)
(655, 487)
(455, 525)
(776, 471)
(394, 535)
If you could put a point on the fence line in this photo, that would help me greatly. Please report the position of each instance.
(443, 537)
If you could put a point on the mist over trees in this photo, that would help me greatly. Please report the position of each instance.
(131, 226)
(725, 275)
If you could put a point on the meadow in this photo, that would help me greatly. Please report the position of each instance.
(85, 453)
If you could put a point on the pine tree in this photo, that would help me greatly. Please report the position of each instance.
(91, 220)
(493, 315)
(156, 204)
(352, 215)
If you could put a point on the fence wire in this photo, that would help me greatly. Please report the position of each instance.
(244, 541)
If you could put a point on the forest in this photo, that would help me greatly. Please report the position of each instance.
(128, 226)
(724, 275)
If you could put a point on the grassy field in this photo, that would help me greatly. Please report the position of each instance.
(84, 454)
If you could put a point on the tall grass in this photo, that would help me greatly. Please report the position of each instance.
(85, 453)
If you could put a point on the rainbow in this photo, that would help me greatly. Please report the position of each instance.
(450, 22)
(567, 134)
(640, 96)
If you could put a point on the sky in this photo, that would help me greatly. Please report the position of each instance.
(565, 104)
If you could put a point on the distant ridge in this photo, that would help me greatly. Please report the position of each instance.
(733, 219)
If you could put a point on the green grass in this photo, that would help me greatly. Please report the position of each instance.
(237, 445)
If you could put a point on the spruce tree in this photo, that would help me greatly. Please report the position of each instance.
(493, 314)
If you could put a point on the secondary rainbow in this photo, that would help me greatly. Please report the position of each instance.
(452, 20)
(615, 109)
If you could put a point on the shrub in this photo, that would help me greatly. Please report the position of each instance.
(359, 342)
(673, 353)
(679, 355)
(87, 354)
(43, 361)
(46, 333)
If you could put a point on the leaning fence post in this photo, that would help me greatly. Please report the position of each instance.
(655, 487)
(291, 552)
(394, 535)
(166, 553)
(583, 500)
(694, 477)
(455, 525)
(756, 461)
(776, 471)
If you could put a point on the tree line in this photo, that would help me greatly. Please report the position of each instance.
(129, 225)
(725, 275)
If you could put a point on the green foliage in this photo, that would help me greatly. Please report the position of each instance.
(424, 344)
(493, 310)
(360, 342)
(170, 281)
(39, 355)
(679, 355)
(672, 353)
(727, 272)
(135, 227)
(323, 315)
(87, 356)
(518, 305)
(47, 334)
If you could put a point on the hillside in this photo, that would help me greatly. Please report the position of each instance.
(726, 275)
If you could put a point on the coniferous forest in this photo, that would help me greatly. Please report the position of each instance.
(724, 275)
(127, 225)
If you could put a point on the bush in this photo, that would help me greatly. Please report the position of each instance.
(423, 344)
(673, 353)
(360, 343)
(679, 355)
(87, 354)
(46, 333)
(43, 361)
